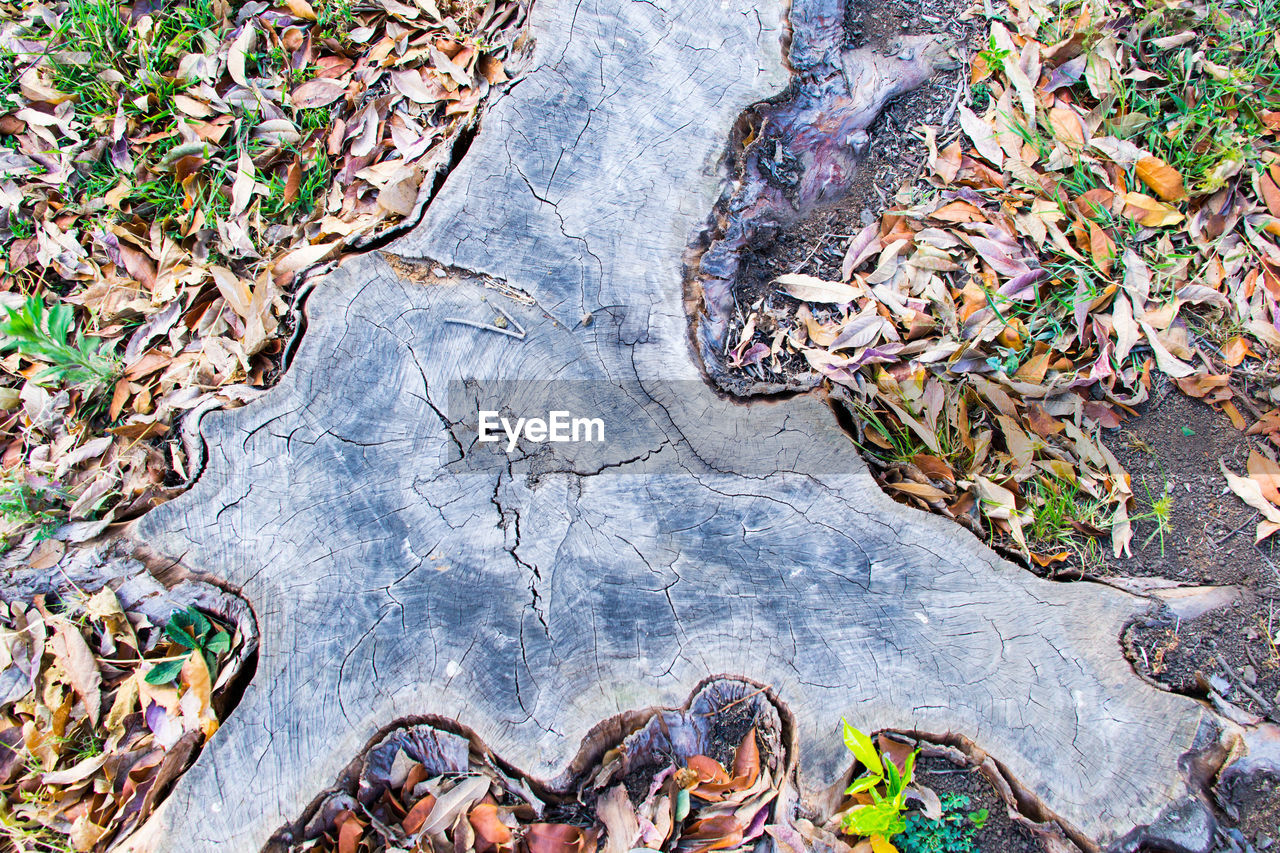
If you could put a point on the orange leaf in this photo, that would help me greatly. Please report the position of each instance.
(350, 831)
(1236, 350)
(417, 815)
(1270, 193)
(746, 762)
(1162, 178)
(554, 838)
(1102, 247)
(118, 398)
(714, 833)
(934, 468)
(708, 769)
(1067, 127)
(958, 211)
(489, 827)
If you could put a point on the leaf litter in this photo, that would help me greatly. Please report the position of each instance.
(424, 788)
(169, 172)
(1106, 212)
(716, 776)
(102, 706)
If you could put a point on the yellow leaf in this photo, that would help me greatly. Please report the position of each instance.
(196, 709)
(880, 845)
(301, 9)
(1162, 178)
(1149, 212)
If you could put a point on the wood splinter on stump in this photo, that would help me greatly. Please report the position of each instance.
(529, 598)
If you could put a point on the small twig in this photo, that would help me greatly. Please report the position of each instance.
(486, 327)
(510, 319)
(1267, 708)
(1227, 536)
(518, 334)
(738, 701)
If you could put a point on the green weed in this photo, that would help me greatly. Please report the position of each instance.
(1159, 512)
(954, 833)
(26, 503)
(44, 334)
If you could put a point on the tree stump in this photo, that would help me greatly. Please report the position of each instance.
(531, 598)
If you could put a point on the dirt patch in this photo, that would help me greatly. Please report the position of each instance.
(1174, 449)
(1202, 537)
(1227, 653)
(1259, 825)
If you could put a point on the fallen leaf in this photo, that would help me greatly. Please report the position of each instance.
(808, 288)
(983, 137)
(1149, 212)
(75, 658)
(1162, 178)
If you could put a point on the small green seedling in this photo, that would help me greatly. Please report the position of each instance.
(887, 786)
(955, 832)
(192, 630)
(43, 334)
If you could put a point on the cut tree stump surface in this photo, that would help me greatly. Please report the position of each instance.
(745, 538)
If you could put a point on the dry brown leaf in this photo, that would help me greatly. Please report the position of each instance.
(1266, 473)
(1067, 127)
(1149, 212)
(622, 828)
(1270, 193)
(1102, 248)
(1250, 491)
(983, 137)
(319, 92)
(809, 288)
(78, 662)
(1164, 180)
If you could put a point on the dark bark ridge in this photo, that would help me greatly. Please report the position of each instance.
(528, 601)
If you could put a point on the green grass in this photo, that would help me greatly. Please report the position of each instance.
(1159, 512)
(903, 443)
(1200, 117)
(315, 182)
(1055, 503)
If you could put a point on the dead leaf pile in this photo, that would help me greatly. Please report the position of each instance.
(402, 804)
(985, 335)
(169, 171)
(90, 743)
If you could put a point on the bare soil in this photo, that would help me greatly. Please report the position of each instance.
(1175, 448)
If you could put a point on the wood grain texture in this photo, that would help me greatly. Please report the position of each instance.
(748, 539)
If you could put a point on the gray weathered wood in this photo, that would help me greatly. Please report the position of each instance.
(388, 584)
